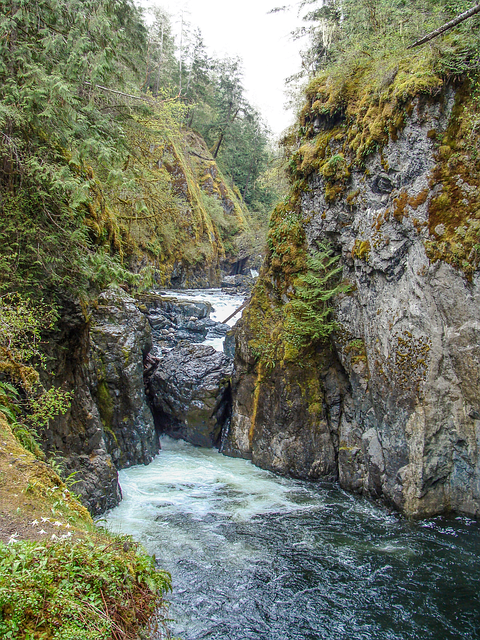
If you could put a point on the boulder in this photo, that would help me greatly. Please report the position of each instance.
(120, 340)
(190, 393)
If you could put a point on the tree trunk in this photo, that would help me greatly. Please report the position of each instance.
(180, 55)
(217, 149)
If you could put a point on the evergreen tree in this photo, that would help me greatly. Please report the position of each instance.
(161, 61)
(181, 18)
(57, 60)
(348, 30)
(229, 101)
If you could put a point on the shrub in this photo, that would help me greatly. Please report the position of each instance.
(62, 590)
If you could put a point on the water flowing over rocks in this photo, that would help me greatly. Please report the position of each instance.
(109, 360)
(173, 320)
(190, 393)
(391, 407)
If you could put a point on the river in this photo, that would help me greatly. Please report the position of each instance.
(257, 557)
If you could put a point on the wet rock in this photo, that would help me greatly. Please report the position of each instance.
(77, 437)
(229, 344)
(190, 393)
(217, 329)
(121, 339)
(238, 283)
(173, 320)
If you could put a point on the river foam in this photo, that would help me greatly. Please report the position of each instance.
(257, 557)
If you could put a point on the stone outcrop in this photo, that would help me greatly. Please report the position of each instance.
(190, 393)
(109, 424)
(120, 340)
(77, 438)
(391, 405)
(174, 320)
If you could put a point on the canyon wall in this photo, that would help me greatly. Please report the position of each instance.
(98, 355)
(389, 404)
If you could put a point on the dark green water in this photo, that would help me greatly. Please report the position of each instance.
(256, 557)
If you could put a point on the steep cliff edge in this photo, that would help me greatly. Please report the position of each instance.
(389, 404)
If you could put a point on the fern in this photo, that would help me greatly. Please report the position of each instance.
(309, 315)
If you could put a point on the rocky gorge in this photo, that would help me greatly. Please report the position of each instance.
(387, 405)
(137, 371)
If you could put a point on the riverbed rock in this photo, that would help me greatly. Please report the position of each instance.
(390, 404)
(173, 320)
(190, 393)
(121, 339)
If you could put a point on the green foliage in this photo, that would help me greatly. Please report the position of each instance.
(67, 590)
(308, 315)
(22, 322)
(47, 405)
(282, 332)
(8, 397)
(54, 116)
(348, 32)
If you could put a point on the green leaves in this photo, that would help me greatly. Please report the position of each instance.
(67, 590)
(309, 314)
(53, 53)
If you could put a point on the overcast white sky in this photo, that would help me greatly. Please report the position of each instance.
(244, 28)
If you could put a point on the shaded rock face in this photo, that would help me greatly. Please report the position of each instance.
(109, 424)
(397, 409)
(190, 393)
(120, 340)
(286, 419)
(78, 437)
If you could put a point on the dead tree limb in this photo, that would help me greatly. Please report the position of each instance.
(449, 25)
(242, 306)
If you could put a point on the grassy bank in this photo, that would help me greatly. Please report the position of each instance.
(61, 578)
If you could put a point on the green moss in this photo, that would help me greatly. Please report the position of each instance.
(105, 405)
(454, 214)
(409, 362)
(286, 242)
(358, 113)
(361, 249)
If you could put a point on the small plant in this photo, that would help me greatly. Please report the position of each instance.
(30, 406)
(8, 396)
(309, 314)
(80, 589)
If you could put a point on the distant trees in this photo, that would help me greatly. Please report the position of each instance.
(216, 105)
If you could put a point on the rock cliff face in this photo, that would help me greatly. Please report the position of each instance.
(121, 339)
(390, 405)
(109, 425)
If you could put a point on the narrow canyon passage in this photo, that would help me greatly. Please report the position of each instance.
(258, 557)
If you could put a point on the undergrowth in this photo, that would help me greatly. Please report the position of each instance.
(80, 590)
(289, 331)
